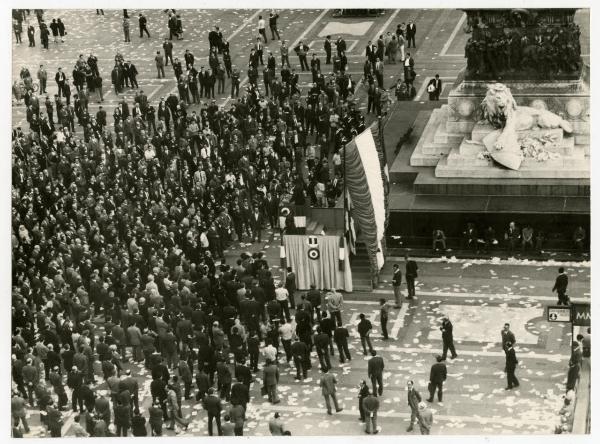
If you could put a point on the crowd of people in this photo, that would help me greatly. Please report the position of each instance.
(119, 233)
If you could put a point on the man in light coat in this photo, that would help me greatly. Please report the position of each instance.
(328, 390)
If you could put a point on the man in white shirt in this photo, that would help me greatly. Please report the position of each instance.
(334, 305)
(286, 332)
(282, 296)
(270, 353)
(261, 28)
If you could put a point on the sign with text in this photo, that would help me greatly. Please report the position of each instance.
(559, 313)
(582, 315)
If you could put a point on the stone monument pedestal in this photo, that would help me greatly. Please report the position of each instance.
(451, 141)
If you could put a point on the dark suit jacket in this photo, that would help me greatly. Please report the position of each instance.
(511, 358)
(240, 394)
(438, 372)
(447, 334)
(507, 336)
(397, 278)
(376, 366)
(271, 375)
(411, 269)
(212, 404)
(256, 220)
(560, 285)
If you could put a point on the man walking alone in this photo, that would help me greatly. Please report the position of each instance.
(437, 376)
(511, 365)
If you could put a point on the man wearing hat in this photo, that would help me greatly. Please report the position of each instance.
(437, 376)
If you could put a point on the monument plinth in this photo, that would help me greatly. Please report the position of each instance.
(502, 48)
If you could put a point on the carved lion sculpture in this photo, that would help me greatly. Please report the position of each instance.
(500, 109)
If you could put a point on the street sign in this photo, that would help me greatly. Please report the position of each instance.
(582, 315)
(559, 313)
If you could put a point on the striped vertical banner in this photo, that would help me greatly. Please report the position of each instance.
(342, 254)
(282, 257)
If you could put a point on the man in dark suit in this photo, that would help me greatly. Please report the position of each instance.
(243, 373)
(371, 53)
(321, 341)
(507, 336)
(414, 398)
(131, 73)
(327, 47)
(60, 78)
(437, 376)
(340, 45)
(212, 405)
(411, 274)
(340, 336)
(511, 365)
(411, 32)
(409, 65)
(447, 338)
(256, 222)
(301, 355)
(434, 88)
(375, 371)
(302, 51)
(130, 383)
(396, 284)
(560, 286)
(315, 67)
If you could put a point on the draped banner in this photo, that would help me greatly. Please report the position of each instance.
(367, 185)
(316, 260)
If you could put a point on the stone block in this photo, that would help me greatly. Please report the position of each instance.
(427, 152)
(529, 170)
(468, 148)
(443, 136)
(420, 159)
(460, 127)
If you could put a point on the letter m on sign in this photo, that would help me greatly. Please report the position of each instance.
(582, 315)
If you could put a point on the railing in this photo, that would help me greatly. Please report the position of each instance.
(582, 411)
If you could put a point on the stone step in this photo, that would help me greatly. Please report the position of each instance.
(530, 169)
(480, 130)
(460, 126)
(443, 136)
(456, 186)
(567, 148)
(426, 152)
(461, 162)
